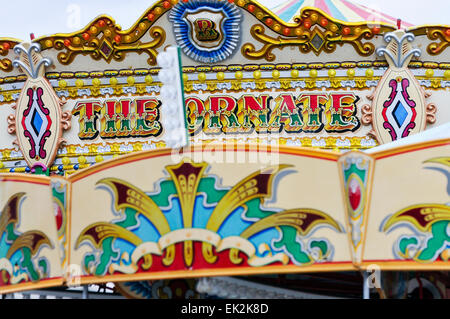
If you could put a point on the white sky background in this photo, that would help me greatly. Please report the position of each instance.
(44, 17)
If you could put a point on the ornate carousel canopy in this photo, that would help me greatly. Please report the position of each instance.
(212, 138)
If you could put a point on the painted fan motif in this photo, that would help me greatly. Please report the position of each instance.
(215, 220)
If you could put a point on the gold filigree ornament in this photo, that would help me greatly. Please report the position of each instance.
(6, 44)
(441, 33)
(312, 31)
(104, 39)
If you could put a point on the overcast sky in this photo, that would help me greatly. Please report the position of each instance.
(43, 17)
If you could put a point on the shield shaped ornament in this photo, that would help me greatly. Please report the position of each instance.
(206, 28)
(38, 121)
(206, 31)
(398, 104)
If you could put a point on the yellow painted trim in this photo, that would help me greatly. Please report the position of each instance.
(69, 226)
(302, 151)
(366, 211)
(220, 272)
(406, 265)
(421, 29)
(26, 178)
(355, 144)
(31, 285)
(410, 148)
(236, 86)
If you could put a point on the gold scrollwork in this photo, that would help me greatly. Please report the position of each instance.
(6, 65)
(7, 44)
(257, 31)
(109, 49)
(102, 38)
(322, 38)
(438, 33)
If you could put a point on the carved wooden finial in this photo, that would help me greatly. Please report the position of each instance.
(399, 51)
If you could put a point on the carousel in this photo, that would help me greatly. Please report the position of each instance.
(227, 149)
